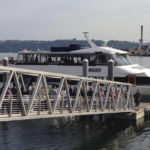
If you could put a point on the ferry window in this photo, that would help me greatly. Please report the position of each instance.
(62, 61)
(49, 59)
(70, 60)
(56, 60)
(43, 58)
(53, 60)
(130, 59)
(74, 60)
(28, 58)
(37, 59)
(92, 59)
(20, 58)
(79, 60)
(101, 59)
(123, 59)
(118, 60)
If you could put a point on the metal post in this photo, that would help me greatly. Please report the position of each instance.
(5, 61)
(85, 64)
(10, 105)
(5, 75)
(111, 70)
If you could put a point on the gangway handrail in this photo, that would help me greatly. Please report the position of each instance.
(55, 75)
(105, 96)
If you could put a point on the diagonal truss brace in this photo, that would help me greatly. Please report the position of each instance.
(19, 94)
(6, 85)
(58, 94)
(107, 95)
(100, 97)
(128, 98)
(77, 94)
(22, 82)
(68, 96)
(93, 96)
(47, 95)
(34, 93)
(118, 98)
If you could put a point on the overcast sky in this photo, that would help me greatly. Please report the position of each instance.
(67, 19)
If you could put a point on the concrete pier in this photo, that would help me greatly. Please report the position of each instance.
(141, 111)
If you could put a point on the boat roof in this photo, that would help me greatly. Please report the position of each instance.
(98, 50)
(80, 52)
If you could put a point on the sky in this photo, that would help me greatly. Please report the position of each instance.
(67, 19)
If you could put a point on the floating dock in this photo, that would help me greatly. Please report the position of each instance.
(141, 111)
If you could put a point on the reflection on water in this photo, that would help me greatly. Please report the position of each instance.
(81, 133)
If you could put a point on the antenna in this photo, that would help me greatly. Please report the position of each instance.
(91, 43)
(86, 34)
(104, 43)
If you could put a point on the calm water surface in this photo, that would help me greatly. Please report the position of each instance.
(81, 133)
(3, 55)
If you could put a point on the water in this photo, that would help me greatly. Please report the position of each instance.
(81, 133)
(144, 61)
(3, 55)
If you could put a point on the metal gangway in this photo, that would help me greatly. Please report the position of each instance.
(52, 96)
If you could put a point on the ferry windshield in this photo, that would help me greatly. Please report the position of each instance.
(123, 59)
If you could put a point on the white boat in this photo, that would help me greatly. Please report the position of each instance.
(70, 62)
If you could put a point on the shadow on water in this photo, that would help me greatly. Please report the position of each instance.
(80, 133)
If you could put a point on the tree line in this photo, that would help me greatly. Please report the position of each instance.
(17, 45)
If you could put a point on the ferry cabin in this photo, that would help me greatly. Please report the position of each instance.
(73, 58)
(70, 62)
(125, 69)
(61, 58)
(98, 61)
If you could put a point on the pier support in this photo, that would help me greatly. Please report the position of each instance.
(85, 67)
(111, 70)
(5, 63)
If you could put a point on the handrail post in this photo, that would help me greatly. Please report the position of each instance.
(10, 105)
(5, 75)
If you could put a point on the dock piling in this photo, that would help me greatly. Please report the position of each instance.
(85, 67)
(111, 70)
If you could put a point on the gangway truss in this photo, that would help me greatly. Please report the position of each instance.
(31, 94)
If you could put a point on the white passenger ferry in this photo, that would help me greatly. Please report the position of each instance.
(70, 62)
